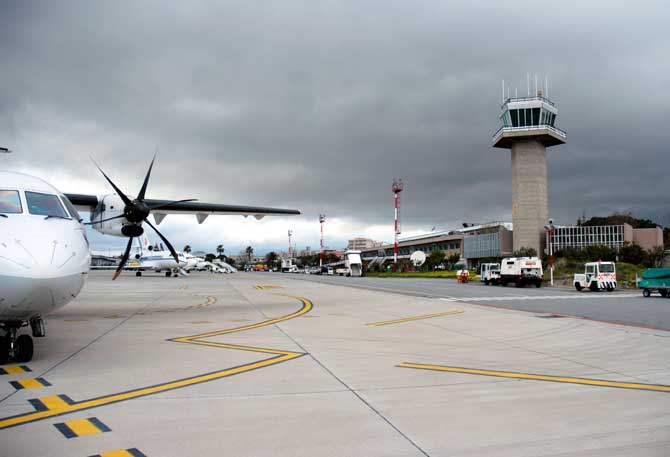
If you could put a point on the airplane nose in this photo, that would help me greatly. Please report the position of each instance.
(52, 253)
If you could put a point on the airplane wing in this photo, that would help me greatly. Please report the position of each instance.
(201, 210)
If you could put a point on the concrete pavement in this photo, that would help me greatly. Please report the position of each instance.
(214, 365)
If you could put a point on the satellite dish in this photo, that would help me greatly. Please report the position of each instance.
(417, 258)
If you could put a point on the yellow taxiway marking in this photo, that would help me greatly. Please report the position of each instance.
(121, 453)
(209, 301)
(414, 318)
(259, 287)
(540, 377)
(31, 383)
(14, 369)
(278, 356)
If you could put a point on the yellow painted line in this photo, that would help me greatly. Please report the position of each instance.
(210, 301)
(53, 403)
(14, 369)
(541, 377)
(279, 356)
(414, 318)
(31, 383)
(121, 453)
(259, 287)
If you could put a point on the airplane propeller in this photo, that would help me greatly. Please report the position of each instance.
(136, 212)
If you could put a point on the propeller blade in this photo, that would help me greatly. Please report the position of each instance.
(143, 190)
(167, 243)
(124, 259)
(173, 202)
(125, 199)
(104, 220)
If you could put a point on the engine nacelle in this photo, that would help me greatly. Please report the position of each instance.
(112, 206)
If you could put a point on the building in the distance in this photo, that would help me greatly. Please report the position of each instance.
(487, 241)
(359, 244)
(613, 236)
(449, 242)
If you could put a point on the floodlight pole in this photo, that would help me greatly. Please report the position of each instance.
(397, 187)
(322, 219)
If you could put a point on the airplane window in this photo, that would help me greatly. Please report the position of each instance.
(45, 205)
(10, 202)
(71, 209)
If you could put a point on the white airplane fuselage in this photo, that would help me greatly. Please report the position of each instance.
(44, 260)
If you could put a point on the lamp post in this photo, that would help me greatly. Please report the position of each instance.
(322, 219)
(550, 227)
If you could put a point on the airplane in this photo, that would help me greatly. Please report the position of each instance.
(157, 258)
(45, 254)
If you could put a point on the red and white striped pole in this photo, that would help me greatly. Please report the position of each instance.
(397, 188)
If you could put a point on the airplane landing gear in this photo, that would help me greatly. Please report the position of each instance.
(38, 327)
(20, 347)
(168, 274)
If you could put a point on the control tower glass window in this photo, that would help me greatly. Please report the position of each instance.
(515, 117)
(536, 116)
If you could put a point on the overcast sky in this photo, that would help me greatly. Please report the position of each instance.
(318, 105)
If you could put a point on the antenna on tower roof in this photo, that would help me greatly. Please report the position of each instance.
(546, 86)
(528, 82)
(503, 91)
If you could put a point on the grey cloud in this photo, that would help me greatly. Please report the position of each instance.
(318, 105)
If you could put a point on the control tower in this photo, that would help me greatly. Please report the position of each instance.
(528, 128)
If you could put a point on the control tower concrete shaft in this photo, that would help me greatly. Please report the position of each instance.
(528, 129)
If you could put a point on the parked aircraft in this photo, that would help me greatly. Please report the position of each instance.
(44, 252)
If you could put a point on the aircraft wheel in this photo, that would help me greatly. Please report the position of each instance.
(168, 274)
(23, 351)
(578, 287)
(4, 350)
(138, 273)
(646, 293)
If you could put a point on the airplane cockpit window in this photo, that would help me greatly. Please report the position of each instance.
(10, 202)
(45, 205)
(71, 209)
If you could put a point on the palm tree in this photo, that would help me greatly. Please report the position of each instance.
(187, 249)
(220, 250)
(249, 251)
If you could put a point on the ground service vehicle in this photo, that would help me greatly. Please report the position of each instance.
(489, 273)
(353, 263)
(655, 279)
(521, 271)
(597, 276)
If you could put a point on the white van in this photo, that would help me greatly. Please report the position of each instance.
(521, 271)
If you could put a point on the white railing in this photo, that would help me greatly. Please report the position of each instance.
(529, 128)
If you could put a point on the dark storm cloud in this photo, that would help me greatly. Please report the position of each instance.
(318, 105)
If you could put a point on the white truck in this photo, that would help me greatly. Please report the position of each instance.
(597, 276)
(353, 263)
(489, 273)
(521, 271)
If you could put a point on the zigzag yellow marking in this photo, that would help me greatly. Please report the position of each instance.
(278, 357)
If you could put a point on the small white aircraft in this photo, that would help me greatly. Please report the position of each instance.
(44, 252)
(157, 258)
